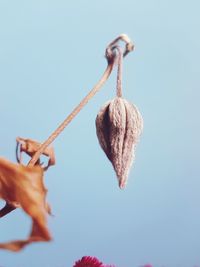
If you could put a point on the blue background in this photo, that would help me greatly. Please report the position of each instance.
(51, 55)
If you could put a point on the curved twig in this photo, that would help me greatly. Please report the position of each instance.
(113, 45)
(71, 116)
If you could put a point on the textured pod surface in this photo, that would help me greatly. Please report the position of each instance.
(118, 126)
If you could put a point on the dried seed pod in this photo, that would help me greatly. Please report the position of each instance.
(118, 126)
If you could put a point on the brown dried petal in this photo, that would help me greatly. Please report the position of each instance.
(24, 185)
(119, 125)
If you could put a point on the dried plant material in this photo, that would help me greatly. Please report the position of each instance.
(118, 126)
(111, 59)
(24, 185)
(30, 147)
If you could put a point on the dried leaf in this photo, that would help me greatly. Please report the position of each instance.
(119, 125)
(24, 185)
(30, 146)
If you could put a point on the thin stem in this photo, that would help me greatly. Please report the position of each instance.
(6, 209)
(119, 72)
(71, 116)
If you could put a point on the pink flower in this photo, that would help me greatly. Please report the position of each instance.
(88, 261)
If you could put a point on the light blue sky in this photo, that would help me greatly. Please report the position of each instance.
(51, 54)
